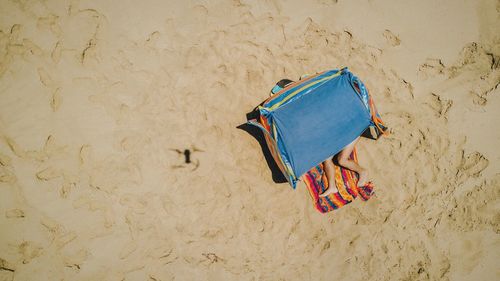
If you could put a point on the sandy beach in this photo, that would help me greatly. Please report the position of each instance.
(99, 100)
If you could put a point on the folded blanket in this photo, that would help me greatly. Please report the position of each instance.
(346, 182)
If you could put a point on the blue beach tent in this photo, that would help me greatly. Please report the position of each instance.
(313, 119)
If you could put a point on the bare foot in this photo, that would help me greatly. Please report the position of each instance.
(363, 177)
(330, 190)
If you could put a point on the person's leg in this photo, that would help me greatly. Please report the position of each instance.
(329, 169)
(344, 161)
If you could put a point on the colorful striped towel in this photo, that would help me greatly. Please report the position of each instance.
(346, 182)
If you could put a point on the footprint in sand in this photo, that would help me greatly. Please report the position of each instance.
(67, 186)
(478, 99)
(50, 225)
(408, 87)
(212, 257)
(485, 87)
(86, 201)
(56, 99)
(163, 253)
(58, 234)
(89, 52)
(135, 203)
(29, 251)
(5, 160)
(31, 48)
(47, 80)
(14, 213)
(128, 249)
(51, 23)
(85, 154)
(48, 174)
(65, 238)
(56, 53)
(391, 38)
(7, 270)
(75, 260)
(95, 205)
(475, 57)
(439, 105)
(471, 166)
(430, 68)
(6, 176)
(50, 149)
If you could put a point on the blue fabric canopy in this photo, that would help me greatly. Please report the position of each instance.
(314, 119)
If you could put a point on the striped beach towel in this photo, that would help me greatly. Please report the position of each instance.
(346, 182)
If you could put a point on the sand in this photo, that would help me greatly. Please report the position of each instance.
(100, 99)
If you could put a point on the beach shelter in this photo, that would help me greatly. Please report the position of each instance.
(314, 118)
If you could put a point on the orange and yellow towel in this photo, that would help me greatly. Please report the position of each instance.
(346, 182)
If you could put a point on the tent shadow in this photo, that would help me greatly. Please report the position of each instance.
(255, 132)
